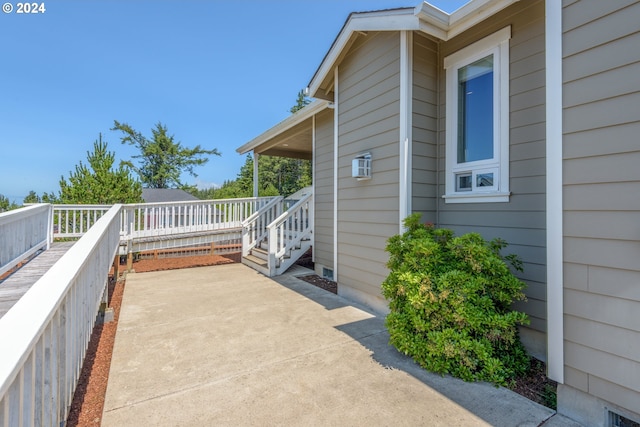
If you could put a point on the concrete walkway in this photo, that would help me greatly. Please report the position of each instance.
(226, 346)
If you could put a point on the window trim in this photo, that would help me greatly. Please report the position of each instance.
(498, 45)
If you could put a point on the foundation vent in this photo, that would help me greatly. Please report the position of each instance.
(617, 420)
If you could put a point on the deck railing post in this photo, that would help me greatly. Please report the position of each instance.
(273, 239)
(50, 227)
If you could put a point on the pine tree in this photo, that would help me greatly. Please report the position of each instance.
(6, 204)
(99, 183)
(32, 197)
(301, 101)
(162, 160)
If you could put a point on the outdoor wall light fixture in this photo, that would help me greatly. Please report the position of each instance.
(361, 167)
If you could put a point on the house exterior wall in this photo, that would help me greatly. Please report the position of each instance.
(521, 220)
(323, 192)
(601, 154)
(425, 127)
(368, 119)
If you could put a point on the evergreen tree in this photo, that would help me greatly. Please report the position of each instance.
(162, 160)
(49, 198)
(6, 204)
(32, 197)
(276, 175)
(301, 101)
(99, 183)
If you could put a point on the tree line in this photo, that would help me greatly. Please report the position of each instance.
(160, 163)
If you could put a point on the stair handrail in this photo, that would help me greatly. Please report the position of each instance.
(288, 230)
(254, 228)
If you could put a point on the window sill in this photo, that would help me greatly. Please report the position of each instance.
(477, 198)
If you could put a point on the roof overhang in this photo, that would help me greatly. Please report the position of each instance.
(424, 17)
(292, 137)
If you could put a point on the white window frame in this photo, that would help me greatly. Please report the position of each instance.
(496, 44)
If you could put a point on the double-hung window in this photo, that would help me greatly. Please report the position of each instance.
(477, 133)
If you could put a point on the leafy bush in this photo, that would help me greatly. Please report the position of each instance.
(450, 300)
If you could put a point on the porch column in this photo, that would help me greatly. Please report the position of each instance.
(255, 174)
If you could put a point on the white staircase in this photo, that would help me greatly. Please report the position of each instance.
(277, 235)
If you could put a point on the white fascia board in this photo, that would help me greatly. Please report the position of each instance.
(386, 23)
(446, 26)
(430, 29)
(474, 12)
(393, 20)
(296, 118)
(433, 17)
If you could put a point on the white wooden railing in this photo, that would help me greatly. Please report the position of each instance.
(23, 232)
(74, 220)
(288, 230)
(44, 337)
(254, 228)
(159, 219)
(164, 219)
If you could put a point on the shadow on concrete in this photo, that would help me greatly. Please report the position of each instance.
(318, 295)
(498, 406)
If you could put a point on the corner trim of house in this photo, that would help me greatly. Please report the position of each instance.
(555, 304)
(406, 68)
(313, 184)
(336, 127)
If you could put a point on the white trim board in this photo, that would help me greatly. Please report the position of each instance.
(555, 303)
(296, 118)
(336, 109)
(405, 137)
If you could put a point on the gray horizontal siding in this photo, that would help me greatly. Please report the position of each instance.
(424, 128)
(323, 190)
(521, 221)
(601, 100)
(368, 106)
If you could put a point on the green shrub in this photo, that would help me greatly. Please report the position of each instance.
(450, 301)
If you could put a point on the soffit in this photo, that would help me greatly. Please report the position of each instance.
(292, 137)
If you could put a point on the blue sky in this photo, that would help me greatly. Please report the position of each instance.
(216, 73)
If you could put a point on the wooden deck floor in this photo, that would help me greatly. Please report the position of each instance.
(16, 285)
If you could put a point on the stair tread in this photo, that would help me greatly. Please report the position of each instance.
(254, 259)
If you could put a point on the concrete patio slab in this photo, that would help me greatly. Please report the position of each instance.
(226, 345)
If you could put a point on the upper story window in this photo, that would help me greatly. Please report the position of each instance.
(477, 138)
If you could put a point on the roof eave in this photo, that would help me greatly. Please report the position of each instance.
(395, 20)
(474, 12)
(425, 17)
(296, 118)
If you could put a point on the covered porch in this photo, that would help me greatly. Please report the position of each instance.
(293, 138)
(308, 134)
